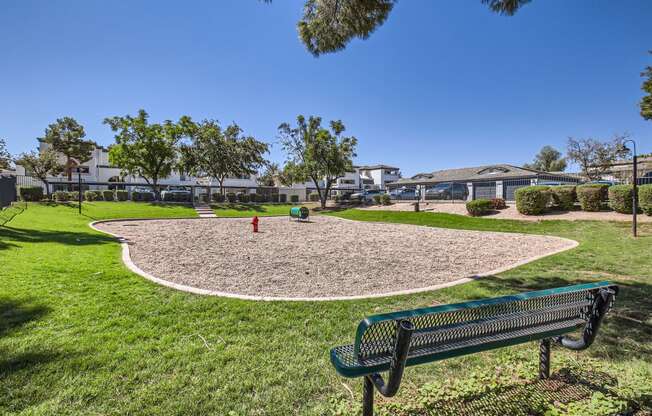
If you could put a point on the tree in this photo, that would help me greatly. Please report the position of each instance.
(548, 160)
(270, 176)
(143, 149)
(66, 136)
(646, 101)
(41, 165)
(596, 157)
(5, 156)
(329, 25)
(220, 153)
(316, 153)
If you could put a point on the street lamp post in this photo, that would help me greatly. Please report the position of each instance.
(635, 186)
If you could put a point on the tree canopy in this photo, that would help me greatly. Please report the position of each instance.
(595, 157)
(143, 149)
(41, 165)
(5, 156)
(548, 159)
(220, 153)
(317, 154)
(270, 175)
(646, 101)
(66, 136)
(329, 25)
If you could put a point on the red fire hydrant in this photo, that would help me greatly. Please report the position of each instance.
(254, 222)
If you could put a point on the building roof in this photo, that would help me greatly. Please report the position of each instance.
(374, 167)
(472, 174)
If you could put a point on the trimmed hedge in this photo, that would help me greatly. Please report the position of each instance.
(645, 198)
(283, 198)
(385, 199)
(219, 198)
(532, 200)
(30, 193)
(242, 197)
(620, 198)
(590, 198)
(498, 203)
(275, 198)
(108, 195)
(230, 196)
(61, 196)
(564, 197)
(294, 199)
(93, 196)
(142, 196)
(376, 199)
(121, 195)
(479, 207)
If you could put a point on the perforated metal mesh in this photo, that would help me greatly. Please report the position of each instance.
(486, 322)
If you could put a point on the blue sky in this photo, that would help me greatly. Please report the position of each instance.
(441, 84)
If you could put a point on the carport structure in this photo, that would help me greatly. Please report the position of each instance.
(480, 182)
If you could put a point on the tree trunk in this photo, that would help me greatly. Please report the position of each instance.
(69, 169)
(47, 188)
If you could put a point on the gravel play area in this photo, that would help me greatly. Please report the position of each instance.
(326, 257)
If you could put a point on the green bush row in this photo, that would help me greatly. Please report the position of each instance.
(532, 200)
(381, 199)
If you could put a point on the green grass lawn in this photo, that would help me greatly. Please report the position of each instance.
(80, 334)
(249, 210)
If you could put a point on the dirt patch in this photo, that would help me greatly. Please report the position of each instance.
(326, 257)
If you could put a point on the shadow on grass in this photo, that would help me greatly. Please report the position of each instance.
(625, 333)
(528, 398)
(8, 234)
(14, 314)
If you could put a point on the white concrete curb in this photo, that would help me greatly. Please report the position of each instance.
(126, 258)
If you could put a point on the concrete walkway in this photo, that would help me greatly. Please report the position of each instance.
(205, 211)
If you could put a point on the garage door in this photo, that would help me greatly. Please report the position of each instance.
(509, 187)
(484, 190)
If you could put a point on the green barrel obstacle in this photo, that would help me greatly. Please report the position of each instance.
(300, 213)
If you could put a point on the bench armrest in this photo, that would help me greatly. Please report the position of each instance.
(600, 307)
(397, 365)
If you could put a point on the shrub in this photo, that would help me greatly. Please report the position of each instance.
(90, 196)
(73, 196)
(219, 198)
(498, 203)
(61, 196)
(590, 198)
(602, 189)
(564, 197)
(242, 197)
(620, 198)
(385, 199)
(230, 196)
(283, 198)
(108, 195)
(294, 199)
(121, 195)
(142, 196)
(645, 198)
(30, 193)
(376, 199)
(532, 200)
(313, 197)
(479, 207)
(275, 198)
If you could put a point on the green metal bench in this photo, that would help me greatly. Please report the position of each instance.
(392, 341)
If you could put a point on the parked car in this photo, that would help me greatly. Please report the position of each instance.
(403, 193)
(176, 195)
(366, 195)
(446, 191)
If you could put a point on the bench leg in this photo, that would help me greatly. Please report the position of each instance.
(368, 397)
(544, 359)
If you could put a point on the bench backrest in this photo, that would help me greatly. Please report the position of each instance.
(563, 309)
